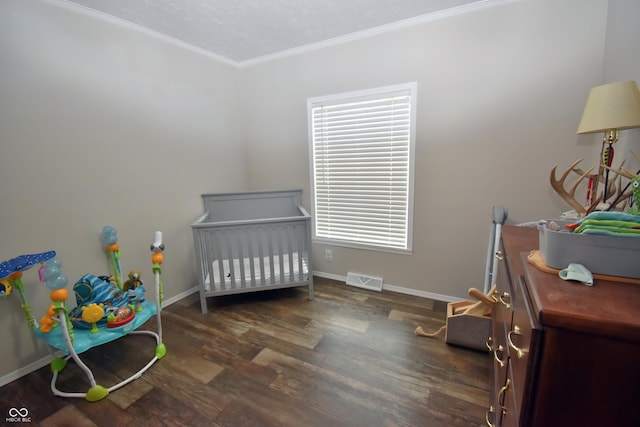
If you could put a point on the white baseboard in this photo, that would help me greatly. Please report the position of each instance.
(330, 276)
(394, 288)
(180, 296)
(31, 367)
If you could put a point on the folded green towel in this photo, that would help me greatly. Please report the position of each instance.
(594, 223)
(609, 230)
(610, 215)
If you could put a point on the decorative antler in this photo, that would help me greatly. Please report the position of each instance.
(570, 196)
(611, 186)
(620, 201)
(635, 188)
(621, 195)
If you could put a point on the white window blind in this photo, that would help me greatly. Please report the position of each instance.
(362, 148)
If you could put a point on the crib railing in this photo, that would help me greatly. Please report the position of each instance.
(250, 255)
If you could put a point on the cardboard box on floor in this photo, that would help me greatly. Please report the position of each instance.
(467, 329)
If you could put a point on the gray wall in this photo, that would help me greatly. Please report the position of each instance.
(500, 94)
(103, 125)
(100, 125)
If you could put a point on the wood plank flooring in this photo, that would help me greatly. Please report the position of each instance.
(347, 358)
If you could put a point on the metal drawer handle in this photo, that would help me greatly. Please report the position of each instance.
(516, 330)
(496, 357)
(489, 343)
(490, 411)
(499, 256)
(503, 390)
(502, 297)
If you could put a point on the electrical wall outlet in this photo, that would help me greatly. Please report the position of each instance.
(328, 255)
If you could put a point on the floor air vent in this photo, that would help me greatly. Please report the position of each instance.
(363, 281)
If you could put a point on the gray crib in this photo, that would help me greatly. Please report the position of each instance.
(254, 241)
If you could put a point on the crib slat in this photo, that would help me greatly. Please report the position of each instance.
(217, 243)
(300, 249)
(251, 235)
(271, 254)
(201, 263)
(279, 237)
(226, 244)
(289, 233)
(203, 257)
(240, 257)
(261, 254)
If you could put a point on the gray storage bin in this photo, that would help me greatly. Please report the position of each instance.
(609, 255)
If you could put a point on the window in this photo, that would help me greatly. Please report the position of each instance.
(362, 148)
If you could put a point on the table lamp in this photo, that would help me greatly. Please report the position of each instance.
(610, 108)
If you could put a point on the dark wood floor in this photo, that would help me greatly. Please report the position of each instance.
(348, 358)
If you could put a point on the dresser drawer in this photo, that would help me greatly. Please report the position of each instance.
(501, 320)
(498, 346)
(521, 339)
(508, 411)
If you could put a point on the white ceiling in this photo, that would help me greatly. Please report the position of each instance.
(245, 30)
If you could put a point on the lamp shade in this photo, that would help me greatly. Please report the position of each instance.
(611, 106)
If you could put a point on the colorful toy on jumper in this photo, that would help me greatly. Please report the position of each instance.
(104, 311)
(135, 289)
(110, 241)
(90, 289)
(11, 277)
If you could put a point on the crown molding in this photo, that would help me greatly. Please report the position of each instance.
(398, 25)
(434, 16)
(74, 7)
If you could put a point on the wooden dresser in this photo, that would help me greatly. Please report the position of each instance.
(565, 354)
